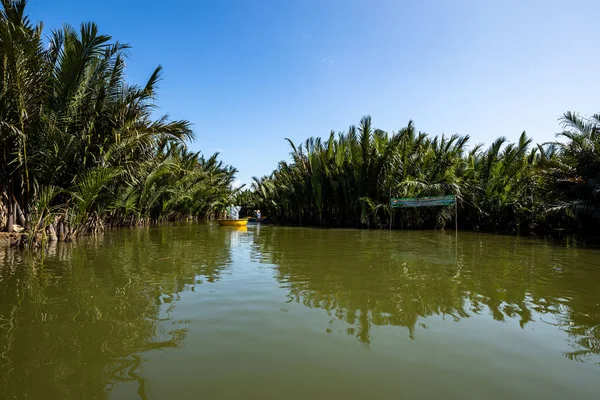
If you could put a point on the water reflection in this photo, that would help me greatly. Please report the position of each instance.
(78, 319)
(84, 320)
(398, 279)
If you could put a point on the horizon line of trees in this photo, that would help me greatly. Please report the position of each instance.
(348, 178)
(81, 148)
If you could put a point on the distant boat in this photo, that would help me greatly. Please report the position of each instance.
(256, 220)
(233, 222)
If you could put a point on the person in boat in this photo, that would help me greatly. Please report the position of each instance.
(257, 214)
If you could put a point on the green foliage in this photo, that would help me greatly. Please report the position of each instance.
(509, 187)
(68, 119)
(577, 170)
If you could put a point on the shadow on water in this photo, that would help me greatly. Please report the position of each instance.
(379, 278)
(78, 319)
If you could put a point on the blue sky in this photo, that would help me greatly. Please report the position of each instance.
(250, 73)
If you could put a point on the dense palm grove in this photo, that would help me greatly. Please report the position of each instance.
(81, 148)
(348, 179)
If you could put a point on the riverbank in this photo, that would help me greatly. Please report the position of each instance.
(560, 237)
(79, 163)
(352, 177)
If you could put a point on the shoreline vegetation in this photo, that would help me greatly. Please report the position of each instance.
(81, 148)
(84, 150)
(347, 180)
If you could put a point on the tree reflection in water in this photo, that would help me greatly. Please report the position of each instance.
(82, 318)
(397, 279)
(77, 320)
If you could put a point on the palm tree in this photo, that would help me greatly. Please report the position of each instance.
(348, 180)
(21, 88)
(70, 121)
(576, 174)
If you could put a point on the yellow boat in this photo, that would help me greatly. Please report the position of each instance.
(233, 222)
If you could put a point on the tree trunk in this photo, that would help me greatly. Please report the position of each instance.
(61, 232)
(3, 213)
(19, 214)
(11, 213)
(52, 233)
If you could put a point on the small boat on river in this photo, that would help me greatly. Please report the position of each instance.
(233, 222)
(257, 220)
(233, 217)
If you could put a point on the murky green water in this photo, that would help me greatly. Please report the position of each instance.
(197, 311)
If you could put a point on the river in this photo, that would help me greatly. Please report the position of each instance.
(192, 311)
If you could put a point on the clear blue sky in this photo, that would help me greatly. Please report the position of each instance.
(250, 73)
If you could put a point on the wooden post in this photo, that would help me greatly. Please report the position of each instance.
(455, 215)
(391, 208)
